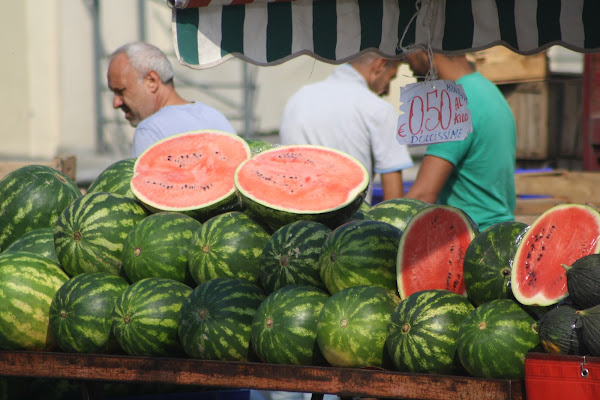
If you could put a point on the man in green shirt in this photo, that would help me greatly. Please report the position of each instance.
(475, 174)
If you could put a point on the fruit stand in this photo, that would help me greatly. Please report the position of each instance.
(220, 374)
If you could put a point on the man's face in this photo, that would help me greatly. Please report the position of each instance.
(130, 93)
(380, 83)
(418, 63)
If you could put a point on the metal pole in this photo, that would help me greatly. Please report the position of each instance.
(99, 82)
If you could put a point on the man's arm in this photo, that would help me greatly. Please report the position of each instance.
(433, 174)
(392, 186)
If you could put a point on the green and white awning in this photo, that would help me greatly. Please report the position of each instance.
(268, 32)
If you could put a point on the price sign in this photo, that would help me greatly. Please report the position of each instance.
(433, 112)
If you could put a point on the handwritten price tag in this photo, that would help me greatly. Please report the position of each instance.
(434, 112)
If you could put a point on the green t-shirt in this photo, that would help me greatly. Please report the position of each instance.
(482, 182)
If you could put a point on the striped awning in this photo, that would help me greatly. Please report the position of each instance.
(268, 32)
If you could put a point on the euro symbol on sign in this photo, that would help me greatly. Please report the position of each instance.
(401, 131)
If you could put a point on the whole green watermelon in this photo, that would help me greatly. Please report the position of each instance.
(396, 212)
(115, 178)
(32, 197)
(38, 241)
(352, 327)
(90, 232)
(28, 283)
(158, 247)
(360, 253)
(423, 332)
(494, 339)
(284, 330)
(215, 321)
(146, 314)
(227, 245)
(488, 260)
(81, 312)
(291, 256)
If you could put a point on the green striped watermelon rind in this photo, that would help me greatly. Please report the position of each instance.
(215, 321)
(284, 329)
(352, 327)
(90, 232)
(28, 283)
(291, 256)
(276, 216)
(33, 197)
(488, 262)
(115, 179)
(81, 312)
(158, 247)
(227, 245)
(146, 317)
(38, 241)
(396, 212)
(528, 242)
(494, 339)
(360, 253)
(423, 332)
(226, 203)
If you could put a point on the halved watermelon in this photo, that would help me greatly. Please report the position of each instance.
(432, 250)
(302, 182)
(559, 236)
(191, 173)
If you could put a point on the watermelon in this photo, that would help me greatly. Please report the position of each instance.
(146, 317)
(488, 261)
(38, 241)
(215, 321)
(494, 338)
(583, 281)
(352, 327)
(291, 256)
(227, 245)
(258, 145)
(423, 332)
(291, 183)
(191, 173)
(360, 253)
(284, 329)
(115, 178)
(395, 212)
(590, 324)
(561, 331)
(28, 283)
(33, 197)
(158, 247)
(90, 232)
(561, 235)
(432, 250)
(81, 312)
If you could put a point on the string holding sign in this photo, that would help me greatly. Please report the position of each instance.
(433, 112)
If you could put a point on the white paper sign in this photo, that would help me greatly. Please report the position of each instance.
(434, 112)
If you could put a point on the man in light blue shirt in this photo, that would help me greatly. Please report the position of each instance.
(141, 79)
(345, 112)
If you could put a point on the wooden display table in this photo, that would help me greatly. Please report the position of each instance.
(221, 374)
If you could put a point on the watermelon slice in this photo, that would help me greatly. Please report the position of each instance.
(559, 236)
(432, 250)
(191, 173)
(302, 182)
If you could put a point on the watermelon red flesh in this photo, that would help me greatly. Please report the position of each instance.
(560, 236)
(189, 171)
(432, 249)
(302, 179)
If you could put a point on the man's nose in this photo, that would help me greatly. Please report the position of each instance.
(117, 101)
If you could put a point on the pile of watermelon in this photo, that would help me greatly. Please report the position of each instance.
(206, 247)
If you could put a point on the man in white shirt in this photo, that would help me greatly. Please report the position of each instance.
(345, 112)
(141, 79)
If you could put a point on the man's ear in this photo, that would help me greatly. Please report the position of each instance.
(378, 66)
(152, 81)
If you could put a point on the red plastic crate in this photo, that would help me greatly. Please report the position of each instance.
(549, 376)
